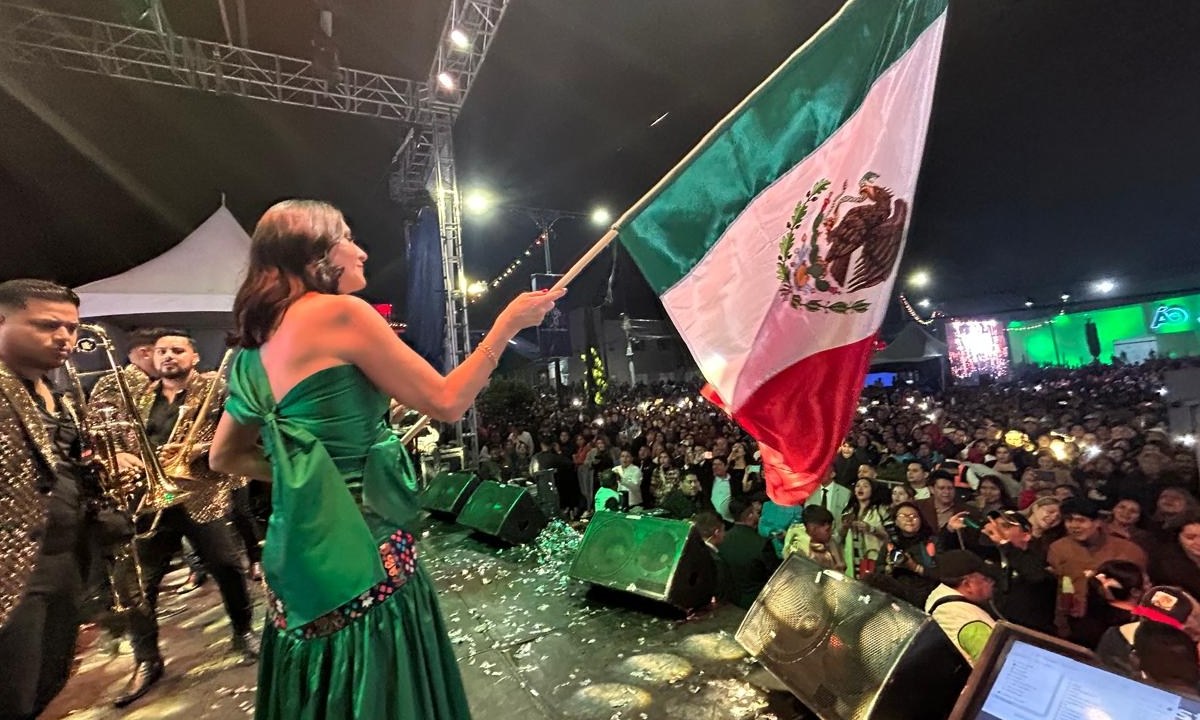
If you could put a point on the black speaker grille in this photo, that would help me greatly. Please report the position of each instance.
(833, 641)
(658, 550)
(642, 555)
(605, 559)
(489, 507)
(445, 492)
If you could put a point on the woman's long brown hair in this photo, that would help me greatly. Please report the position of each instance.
(289, 238)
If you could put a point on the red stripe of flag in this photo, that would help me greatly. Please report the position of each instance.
(801, 415)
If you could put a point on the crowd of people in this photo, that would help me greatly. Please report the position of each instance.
(1059, 500)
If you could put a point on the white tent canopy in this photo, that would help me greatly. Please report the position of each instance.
(199, 275)
(912, 345)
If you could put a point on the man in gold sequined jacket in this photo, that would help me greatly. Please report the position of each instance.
(43, 498)
(107, 407)
(138, 373)
(168, 407)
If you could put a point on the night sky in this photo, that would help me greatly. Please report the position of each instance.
(1063, 147)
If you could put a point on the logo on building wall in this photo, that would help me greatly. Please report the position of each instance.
(1169, 315)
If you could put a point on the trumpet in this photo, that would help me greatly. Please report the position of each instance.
(178, 466)
(119, 427)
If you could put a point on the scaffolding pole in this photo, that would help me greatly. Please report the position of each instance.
(429, 163)
(424, 160)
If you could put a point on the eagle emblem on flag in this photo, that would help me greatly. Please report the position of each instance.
(839, 254)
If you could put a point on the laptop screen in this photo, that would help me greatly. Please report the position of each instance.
(1034, 683)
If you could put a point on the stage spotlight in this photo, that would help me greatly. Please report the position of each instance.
(459, 39)
(325, 60)
(446, 80)
(601, 216)
(478, 202)
(919, 279)
(1105, 286)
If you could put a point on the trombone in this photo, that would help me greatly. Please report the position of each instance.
(178, 466)
(160, 492)
(107, 436)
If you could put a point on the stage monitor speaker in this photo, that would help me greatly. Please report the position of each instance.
(507, 512)
(850, 652)
(650, 556)
(545, 492)
(448, 492)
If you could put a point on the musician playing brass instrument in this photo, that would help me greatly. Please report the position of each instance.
(44, 496)
(138, 373)
(114, 582)
(169, 407)
(105, 400)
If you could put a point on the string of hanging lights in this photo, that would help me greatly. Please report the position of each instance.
(1062, 310)
(508, 271)
(1034, 326)
(912, 312)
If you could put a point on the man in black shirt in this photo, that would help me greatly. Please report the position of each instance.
(43, 498)
(201, 518)
(1026, 591)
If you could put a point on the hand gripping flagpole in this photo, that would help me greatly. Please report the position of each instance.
(570, 275)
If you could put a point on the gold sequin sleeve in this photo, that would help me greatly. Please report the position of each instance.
(22, 507)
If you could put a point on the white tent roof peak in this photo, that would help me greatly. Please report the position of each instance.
(200, 274)
(912, 344)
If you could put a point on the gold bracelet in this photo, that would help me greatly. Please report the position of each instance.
(491, 354)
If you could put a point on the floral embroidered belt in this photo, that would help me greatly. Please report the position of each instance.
(399, 556)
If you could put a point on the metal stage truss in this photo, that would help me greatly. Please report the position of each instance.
(34, 36)
(429, 106)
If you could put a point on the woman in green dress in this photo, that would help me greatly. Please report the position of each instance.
(353, 627)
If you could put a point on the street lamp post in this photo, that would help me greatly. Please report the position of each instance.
(481, 202)
(545, 221)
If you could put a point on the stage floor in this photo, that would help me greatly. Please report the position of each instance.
(532, 645)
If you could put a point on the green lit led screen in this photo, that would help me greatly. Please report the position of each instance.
(1173, 323)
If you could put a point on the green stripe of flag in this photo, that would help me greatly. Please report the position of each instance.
(784, 121)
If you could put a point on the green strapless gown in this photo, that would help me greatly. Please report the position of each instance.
(346, 637)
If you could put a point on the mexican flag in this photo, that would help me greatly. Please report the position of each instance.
(774, 244)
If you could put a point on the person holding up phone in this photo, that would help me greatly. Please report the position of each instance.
(1026, 590)
(910, 556)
